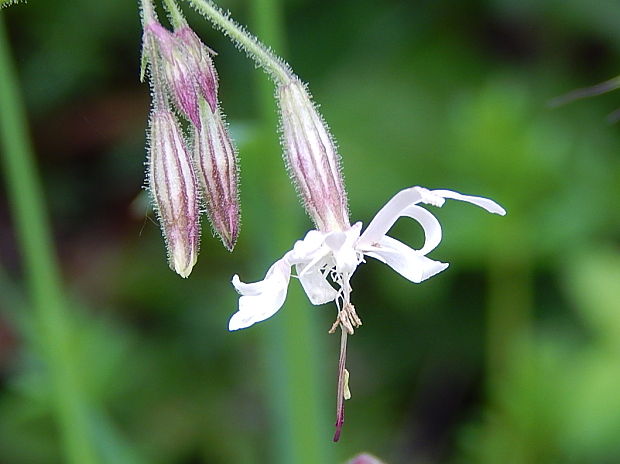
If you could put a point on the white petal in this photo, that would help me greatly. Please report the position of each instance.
(316, 286)
(342, 246)
(408, 262)
(307, 247)
(485, 203)
(430, 224)
(387, 216)
(261, 300)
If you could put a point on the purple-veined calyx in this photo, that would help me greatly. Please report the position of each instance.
(173, 186)
(216, 168)
(311, 157)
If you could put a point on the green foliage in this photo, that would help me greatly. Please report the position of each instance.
(510, 355)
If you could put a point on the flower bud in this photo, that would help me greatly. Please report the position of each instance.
(312, 158)
(173, 186)
(216, 170)
(178, 72)
(199, 63)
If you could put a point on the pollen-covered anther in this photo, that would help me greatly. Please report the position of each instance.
(348, 318)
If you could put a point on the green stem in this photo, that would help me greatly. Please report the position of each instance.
(509, 302)
(176, 16)
(42, 275)
(274, 66)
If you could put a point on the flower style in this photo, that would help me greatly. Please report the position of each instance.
(325, 261)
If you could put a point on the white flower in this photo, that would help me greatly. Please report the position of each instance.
(325, 261)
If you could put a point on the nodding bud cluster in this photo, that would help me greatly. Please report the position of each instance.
(312, 158)
(186, 170)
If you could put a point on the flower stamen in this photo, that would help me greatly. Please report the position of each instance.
(347, 318)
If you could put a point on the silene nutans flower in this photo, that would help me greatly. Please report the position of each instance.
(326, 258)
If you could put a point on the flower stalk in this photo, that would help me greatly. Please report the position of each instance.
(343, 381)
(277, 69)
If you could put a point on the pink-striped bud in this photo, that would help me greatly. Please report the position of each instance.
(173, 186)
(187, 67)
(312, 158)
(199, 63)
(216, 168)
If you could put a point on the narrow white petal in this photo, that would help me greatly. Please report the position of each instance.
(316, 286)
(387, 216)
(408, 262)
(261, 300)
(485, 203)
(430, 224)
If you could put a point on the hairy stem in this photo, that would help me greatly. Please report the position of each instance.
(176, 17)
(261, 54)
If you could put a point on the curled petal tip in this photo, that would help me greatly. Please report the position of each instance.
(482, 202)
(499, 210)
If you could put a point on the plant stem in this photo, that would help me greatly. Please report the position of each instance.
(509, 302)
(176, 17)
(40, 266)
(274, 66)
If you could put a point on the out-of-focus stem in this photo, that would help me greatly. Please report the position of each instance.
(40, 266)
(509, 303)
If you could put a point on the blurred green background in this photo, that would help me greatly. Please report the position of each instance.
(512, 355)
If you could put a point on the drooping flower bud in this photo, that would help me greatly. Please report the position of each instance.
(178, 72)
(216, 169)
(199, 64)
(312, 158)
(173, 186)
